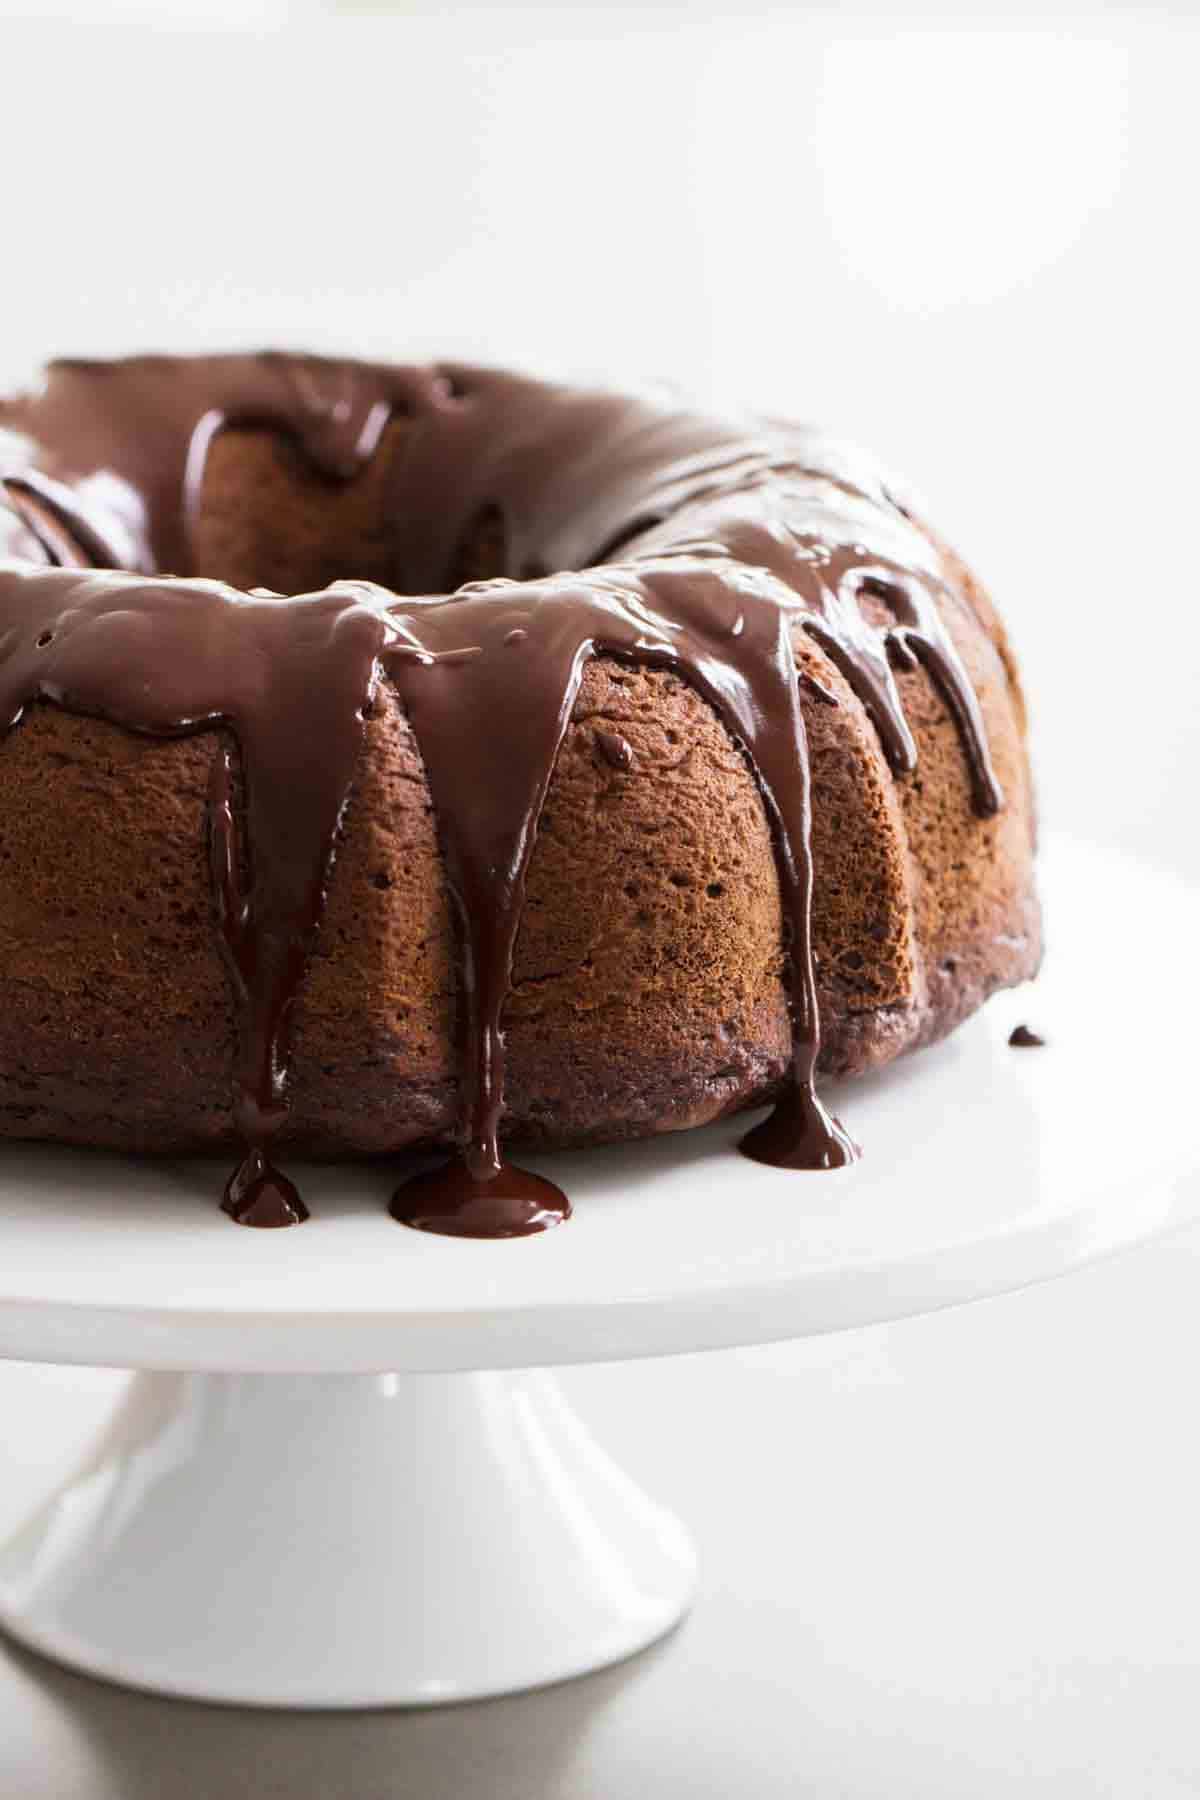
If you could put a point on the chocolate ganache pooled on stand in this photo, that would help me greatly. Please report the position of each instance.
(627, 529)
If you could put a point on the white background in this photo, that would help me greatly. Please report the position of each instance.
(968, 238)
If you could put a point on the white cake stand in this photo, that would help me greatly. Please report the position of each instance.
(269, 1519)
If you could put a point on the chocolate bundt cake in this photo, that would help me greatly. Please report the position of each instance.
(336, 818)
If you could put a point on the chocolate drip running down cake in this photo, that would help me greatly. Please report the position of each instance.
(431, 758)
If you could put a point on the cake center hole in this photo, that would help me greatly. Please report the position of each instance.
(267, 518)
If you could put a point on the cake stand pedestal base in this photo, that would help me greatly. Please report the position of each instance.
(344, 1541)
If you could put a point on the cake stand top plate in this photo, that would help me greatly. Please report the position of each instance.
(985, 1168)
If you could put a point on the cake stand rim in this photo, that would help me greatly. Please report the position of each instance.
(777, 1304)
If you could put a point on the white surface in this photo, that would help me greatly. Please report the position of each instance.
(985, 1168)
(344, 1542)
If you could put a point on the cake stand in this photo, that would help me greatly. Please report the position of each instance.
(339, 1484)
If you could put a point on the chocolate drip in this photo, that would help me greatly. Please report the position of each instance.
(50, 542)
(453, 1202)
(616, 750)
(856, 589)
(676, 617)
(1022, 1038)
(257, 1194)
(733, 538)
(70, 537)
(170, 658)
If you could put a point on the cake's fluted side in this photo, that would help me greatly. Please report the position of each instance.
(728, 554)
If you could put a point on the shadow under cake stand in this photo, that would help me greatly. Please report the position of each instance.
(345, 1478)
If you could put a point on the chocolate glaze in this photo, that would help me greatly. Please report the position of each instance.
(257, 1194)
(616, 750)
(726, 538)
(1021, 1038)
(451, 1200)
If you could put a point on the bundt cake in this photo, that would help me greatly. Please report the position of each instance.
(336, 818)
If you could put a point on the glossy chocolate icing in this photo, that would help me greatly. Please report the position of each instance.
(694, 543)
